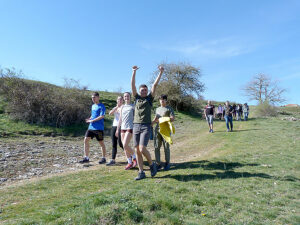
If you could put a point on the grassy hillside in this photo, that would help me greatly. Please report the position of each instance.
(10, 127)
(250, 176)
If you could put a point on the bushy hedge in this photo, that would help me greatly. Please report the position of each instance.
(266, 110)
(41, 103)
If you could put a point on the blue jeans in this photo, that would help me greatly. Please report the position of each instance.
(228, 119)
(246, 116)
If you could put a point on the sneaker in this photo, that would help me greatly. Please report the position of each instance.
(141, 176)
(111, 163)
(153, 169)
(85, 160)
(212, 131)
(129, 166)
(134, 163)
(159, 167)
(227, 130)
(167, 166)
(209, 130)
(102, 161)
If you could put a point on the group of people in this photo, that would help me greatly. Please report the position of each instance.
(227, 111)
(131, 121)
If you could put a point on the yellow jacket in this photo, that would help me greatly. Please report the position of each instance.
(165, 128)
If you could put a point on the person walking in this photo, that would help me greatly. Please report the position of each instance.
(163, 111)
(95, 129)
(126, 125)
(209, 113)
(142, 122)
(228, 116)
(114, 139)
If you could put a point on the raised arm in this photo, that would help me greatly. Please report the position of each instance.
(153, 89)
(133, 88)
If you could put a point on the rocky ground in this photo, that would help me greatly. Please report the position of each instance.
(34, 156)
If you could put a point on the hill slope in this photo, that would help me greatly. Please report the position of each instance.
(250, 176)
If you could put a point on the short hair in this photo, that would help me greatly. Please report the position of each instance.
(120, 97)
(165, 97)
(96, 94)
(143, 86)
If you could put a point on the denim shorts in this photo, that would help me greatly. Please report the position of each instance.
(141, 134)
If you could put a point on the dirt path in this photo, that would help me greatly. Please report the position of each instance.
(31, 157)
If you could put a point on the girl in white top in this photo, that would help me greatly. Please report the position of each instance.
(126, 124)
(116, 112)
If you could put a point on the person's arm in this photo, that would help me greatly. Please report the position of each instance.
(96, 119)
(154, 86)
(172, 117)
(119, 123)
(111, 112)
(133, 88)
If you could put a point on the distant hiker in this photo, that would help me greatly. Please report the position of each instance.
(114, 139)
(246, 111)
(142, 122)
(239, 110)
(234, 111)
(95, 129)
(220, 112)
(228, 116)
(126, 125)
(163, 111)
(209, 113)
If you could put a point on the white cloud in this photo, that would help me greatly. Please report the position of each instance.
(217, 48)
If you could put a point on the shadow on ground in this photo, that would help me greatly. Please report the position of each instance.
(227, 173)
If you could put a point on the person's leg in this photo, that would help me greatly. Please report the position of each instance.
(231, 124)
(212, 124)
(226, 121)
(157, 146)
(136, 140)
(207, 120)
(87, 146)
(167, 151)
(103, 148)
(114, 141)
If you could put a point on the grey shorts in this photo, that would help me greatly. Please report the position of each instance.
(141, 134)
(210, 119)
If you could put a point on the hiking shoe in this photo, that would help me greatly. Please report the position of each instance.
(141, 176)
(129, 166)
(134, 163)
(85, 160)
(102, 161)
(159, 167)
(167, 166)
(111, 163)
(153, 169)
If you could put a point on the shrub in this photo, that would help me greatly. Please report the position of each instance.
(41, 103)
(266, 110)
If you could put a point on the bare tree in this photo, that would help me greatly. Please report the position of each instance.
(263, 89)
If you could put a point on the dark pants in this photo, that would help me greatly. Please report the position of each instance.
(115, 142)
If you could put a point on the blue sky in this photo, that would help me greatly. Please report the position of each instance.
(97, 42)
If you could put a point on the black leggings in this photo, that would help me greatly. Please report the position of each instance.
(115, 141)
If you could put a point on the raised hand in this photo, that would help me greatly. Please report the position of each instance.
(134, 68)
(161, 68)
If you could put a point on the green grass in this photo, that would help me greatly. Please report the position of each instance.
(250, 176)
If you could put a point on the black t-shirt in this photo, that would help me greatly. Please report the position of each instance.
(209, 109)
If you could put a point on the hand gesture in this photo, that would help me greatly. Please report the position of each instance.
(134, 68)
(161, 68)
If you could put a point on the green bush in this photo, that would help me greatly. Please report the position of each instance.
(266, 110)
(42, 103)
